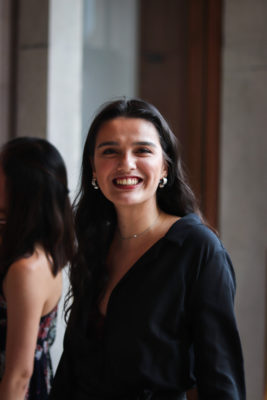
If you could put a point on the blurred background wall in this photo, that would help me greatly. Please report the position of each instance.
(203, 63)
(243, 176)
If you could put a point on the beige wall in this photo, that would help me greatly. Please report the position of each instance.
(243, 187)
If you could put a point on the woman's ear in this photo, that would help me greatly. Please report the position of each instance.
(165, 169)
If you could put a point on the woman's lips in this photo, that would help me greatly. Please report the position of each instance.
(126, 181)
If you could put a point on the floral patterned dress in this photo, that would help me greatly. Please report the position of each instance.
(41, 379)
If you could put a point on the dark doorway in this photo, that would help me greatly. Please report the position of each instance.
(180, 48)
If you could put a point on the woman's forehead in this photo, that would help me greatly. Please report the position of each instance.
(126, 128)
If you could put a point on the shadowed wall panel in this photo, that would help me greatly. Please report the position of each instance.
(180, 47)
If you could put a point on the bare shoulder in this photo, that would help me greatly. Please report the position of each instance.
(30, 281)
(34, 264)
(30, 270)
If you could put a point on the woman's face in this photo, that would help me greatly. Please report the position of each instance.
(3, 202)
(128, 161)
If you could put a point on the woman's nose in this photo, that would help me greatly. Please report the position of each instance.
(127, 162)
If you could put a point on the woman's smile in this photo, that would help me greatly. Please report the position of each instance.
(128, 161)
(127, 182)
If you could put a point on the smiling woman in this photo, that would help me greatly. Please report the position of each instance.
(128, 164)
(152, 285)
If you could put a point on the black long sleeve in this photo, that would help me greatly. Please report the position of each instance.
(170, 326)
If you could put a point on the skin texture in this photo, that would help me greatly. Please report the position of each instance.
(30, 290)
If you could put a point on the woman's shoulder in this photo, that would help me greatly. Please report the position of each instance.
(194, 240)
(191, 229)
(30, 267)
(31, 278)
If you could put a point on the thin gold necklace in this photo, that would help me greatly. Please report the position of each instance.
(136, 235)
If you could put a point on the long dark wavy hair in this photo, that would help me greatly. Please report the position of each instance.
(38, 207)
(95, 217)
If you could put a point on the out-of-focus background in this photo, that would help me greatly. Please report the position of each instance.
(203, 63)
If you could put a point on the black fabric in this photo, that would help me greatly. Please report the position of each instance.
(169, 325)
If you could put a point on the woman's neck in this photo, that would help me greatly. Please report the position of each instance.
(137, 221)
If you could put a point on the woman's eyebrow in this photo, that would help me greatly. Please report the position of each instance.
(113, 143)
(144, 143)
(110, 143)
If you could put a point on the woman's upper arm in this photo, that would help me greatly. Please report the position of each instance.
(24, 289)
(218, 354)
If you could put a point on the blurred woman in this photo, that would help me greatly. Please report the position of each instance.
(153, 287)
(36, 242)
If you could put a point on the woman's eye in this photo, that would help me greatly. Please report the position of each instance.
(144, 150)
(109, 151)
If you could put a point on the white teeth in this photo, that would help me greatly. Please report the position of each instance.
(127, 181)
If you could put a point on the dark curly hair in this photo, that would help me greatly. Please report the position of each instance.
(95, 217)
(38, 209)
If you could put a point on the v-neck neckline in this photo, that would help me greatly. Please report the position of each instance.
(138, 263)
(154, 248)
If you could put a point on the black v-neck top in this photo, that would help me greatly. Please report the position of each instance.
(169, 326)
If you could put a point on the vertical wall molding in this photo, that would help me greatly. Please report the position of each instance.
(7, 71)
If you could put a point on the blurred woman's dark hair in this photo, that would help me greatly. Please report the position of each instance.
(38, 206)
(95, 217)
